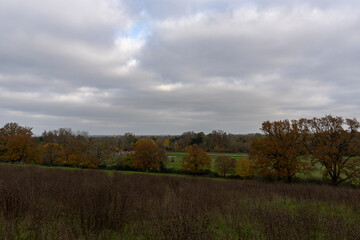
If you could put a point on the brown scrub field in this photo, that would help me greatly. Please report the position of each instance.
(41, 203)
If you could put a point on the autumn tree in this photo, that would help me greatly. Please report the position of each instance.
(62, 136)
(148, 156)
(127, 141)
(52, 154)
(14, 129)
(166, 143)
(127, 161)
(185, 140)
(278, 153)
(195, 160)
(176, 147)
(244, 167)
(217, 141)
(334, 142)
(99, 149)
(225, 165)
(17, 144)
(76, 148)
(88, 160)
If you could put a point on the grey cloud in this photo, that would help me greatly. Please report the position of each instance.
(232, 46)
(69, 41)
(165, 67)
(296, 46)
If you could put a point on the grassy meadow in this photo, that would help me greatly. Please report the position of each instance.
(174, 162)
(46, 203)
(177, 156)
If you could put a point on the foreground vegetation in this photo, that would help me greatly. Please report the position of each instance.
(37, 203)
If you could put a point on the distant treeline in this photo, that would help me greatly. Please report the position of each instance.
(216, 141)
(328, 145)
(68, 148)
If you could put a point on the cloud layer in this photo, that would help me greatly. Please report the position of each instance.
(165, 67)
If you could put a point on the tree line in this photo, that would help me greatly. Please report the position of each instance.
(300, 146)
(284, 150)
(216, 141)
(68, 148)
(63, 147)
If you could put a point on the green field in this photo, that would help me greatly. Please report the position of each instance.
(177, 156)
(174, 162)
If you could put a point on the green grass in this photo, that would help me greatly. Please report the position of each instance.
(174, 162)
(177, 156)
(112, 172)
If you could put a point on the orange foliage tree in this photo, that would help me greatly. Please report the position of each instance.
(278, 154)
(335, 148)
(74, 149)
(166, 143)
(67, 148)
(225, 165)
(88, 160)
(245, 167)
(195, 160)
(148, 156)
(17, 144)
(52, 154)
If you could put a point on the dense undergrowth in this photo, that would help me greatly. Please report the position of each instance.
(38, 203)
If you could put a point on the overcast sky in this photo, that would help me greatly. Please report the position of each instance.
(170, 66)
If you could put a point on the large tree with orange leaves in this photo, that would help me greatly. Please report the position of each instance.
(244, 167)
(16, 144)
(196, 159)
(278, 154)
(148, 156)
(334, 142)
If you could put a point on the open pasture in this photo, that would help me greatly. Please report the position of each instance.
(174, 158)
(174, 162)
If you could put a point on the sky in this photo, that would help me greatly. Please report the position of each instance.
(154, 67)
